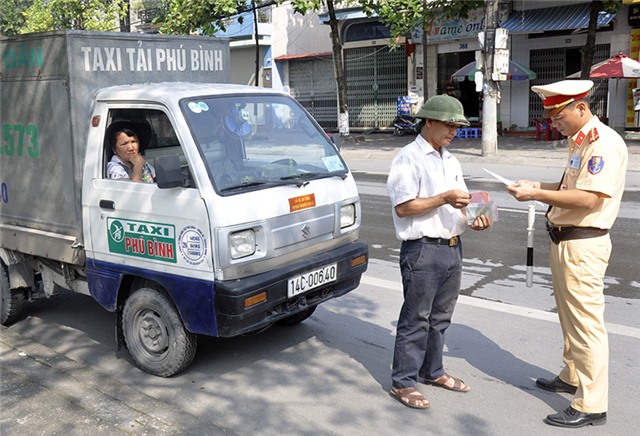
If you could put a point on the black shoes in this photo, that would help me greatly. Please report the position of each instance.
(569, 417)
(555, 385)
(572, 418)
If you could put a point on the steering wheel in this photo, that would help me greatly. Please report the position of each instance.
(285, 161)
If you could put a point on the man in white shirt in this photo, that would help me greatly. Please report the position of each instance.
(428, 195)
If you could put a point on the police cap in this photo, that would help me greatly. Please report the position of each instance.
(556, 96)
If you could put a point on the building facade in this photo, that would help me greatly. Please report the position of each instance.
(545, 36)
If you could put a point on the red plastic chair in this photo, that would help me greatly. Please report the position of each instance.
(541, 128)
(553, 132)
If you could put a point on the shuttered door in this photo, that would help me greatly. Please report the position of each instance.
(312, 83)
(550, 66)
(376, 77)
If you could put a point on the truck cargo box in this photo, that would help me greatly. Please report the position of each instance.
(47, 85)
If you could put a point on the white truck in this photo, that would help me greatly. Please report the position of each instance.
(252, 219)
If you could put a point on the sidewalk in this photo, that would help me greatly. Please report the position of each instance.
(513, 150)
(517, 157)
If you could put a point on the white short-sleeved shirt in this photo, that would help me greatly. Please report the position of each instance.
(419, 171)
(116, 169)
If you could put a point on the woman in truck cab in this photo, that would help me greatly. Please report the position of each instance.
(127, 162)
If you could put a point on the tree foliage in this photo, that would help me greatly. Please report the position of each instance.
(26, 16)
(11, 16)
(209, 16)
(205, 16)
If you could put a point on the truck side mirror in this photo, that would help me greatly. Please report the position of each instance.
(335, 138)
(168, 174)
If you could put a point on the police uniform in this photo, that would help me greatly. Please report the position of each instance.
(597, 162)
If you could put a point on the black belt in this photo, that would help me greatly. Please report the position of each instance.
(453, 242)
(566, 233)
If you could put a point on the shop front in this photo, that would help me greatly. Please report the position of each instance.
(547, 41)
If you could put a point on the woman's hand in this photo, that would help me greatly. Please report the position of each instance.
(137, 160)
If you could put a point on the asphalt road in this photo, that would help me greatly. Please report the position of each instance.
(60, 373)
(504, 247)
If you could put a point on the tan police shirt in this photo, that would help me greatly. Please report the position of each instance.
(598, 163)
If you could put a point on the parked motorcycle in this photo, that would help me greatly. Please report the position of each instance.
(404, 124)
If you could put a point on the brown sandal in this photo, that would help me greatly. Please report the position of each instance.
(410, 397)
(458, 385)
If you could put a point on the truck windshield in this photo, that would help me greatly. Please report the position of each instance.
(250, 142)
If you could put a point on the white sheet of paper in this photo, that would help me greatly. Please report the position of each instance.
(506, 181)
(499, 177)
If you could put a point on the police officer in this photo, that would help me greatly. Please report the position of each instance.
(583, 207)
(428, 195)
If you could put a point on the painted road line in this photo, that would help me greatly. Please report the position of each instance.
(528, 312)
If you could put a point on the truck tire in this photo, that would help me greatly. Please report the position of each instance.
(298, 317)
(155, 335)
(11, 301)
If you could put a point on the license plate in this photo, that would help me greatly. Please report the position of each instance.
(312, 279)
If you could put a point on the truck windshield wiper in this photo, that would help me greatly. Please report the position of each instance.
(302, 176)
(299, 179)
(245, 185)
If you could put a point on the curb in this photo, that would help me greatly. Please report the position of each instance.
(510, 150)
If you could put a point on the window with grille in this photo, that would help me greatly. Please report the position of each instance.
(554, 64)
(376, 76)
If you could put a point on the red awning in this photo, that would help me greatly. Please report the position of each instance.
(303, 56)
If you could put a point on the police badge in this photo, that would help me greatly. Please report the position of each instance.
(595, 164)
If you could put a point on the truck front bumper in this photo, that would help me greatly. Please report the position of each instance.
(234, 318)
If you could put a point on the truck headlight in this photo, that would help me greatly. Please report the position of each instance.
(347, 215)
(242, 244)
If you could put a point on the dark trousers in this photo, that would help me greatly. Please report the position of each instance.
(431, 277)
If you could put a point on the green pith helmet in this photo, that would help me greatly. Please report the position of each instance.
(443, 108)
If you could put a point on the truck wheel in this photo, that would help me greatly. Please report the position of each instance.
(11, 301)
(155, 335)
(298, 317)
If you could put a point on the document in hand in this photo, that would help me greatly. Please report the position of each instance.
(481, 204)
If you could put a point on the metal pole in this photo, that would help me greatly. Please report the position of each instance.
(530, 229)
(490, 89)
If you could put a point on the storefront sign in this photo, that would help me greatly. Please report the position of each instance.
(441, 29)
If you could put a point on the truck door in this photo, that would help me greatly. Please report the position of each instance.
(136, 224)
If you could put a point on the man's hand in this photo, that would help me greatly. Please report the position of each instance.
(524, 190)
(457, 198)
(482, 222)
